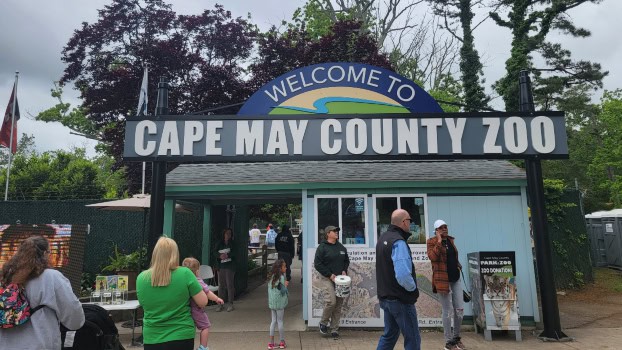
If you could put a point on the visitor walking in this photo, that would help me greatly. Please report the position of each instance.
(277, 301)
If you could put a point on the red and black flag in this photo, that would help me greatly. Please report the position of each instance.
(9, 120)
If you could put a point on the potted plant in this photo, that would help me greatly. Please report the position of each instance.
(127, 264)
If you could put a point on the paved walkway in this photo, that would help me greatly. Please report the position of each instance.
(247, 328)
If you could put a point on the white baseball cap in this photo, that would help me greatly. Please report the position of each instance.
(439, 223)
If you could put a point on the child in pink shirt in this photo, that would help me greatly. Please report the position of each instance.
(198, 314)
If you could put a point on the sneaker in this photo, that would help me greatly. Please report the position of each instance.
(220, 307)
(459, 344)
(335, 335)
(282, 344)
(323, 329)
(201, 347)
(229, 307)
(270, 346)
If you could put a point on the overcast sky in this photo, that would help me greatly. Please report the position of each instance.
(34, 33)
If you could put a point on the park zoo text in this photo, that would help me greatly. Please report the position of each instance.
(435, 136)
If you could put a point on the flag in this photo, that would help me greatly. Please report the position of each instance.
(143, 98)
(5, 129)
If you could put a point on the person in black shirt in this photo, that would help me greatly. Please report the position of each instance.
(331, 260)
(284, 244)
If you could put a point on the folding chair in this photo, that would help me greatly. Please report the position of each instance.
(206, 273)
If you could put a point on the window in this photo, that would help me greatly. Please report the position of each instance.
(413, 204)
(346, 212)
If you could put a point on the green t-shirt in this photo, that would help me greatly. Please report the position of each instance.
(167, 309)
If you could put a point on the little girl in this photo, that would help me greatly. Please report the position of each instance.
(277, 301)
(199, 316)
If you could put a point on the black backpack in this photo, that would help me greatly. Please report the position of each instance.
(98, 332)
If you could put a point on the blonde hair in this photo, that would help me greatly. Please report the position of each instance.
(165, 258)
(191, 263)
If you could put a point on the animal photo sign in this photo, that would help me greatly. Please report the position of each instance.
(495, 298)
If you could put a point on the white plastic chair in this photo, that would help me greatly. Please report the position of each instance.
(206, 273)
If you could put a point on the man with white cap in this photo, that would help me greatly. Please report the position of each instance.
(446, 269)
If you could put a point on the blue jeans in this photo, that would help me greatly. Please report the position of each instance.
(399, 317)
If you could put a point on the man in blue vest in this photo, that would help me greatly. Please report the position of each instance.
(397, 284)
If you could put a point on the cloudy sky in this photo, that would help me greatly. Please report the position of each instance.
(34, 33)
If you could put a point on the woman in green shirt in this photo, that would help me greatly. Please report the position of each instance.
(163, 292)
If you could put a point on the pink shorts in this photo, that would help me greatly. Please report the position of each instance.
(200, 318)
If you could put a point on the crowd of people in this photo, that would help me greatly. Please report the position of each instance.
(173, 297)
(396, 282)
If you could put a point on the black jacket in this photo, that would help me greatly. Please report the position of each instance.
(331, 259)
(284, 242)
(388, 287)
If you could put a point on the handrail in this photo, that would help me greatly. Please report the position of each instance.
(264, 260)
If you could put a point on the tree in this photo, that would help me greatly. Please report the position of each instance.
(202, 56)
(73, 118)
(461, 11)
(562, 73)
(594, 150)
(417, 49)
(277, 214)
(54, 175)
(608, 158)
(530, 22)
(279, 53)
(25, 146)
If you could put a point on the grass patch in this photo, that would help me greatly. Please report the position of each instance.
(609, 279)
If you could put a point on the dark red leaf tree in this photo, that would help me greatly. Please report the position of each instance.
(279, 53)
(202, 56)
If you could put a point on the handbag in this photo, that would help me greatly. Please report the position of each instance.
(466, 295)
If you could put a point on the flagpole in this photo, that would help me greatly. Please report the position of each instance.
(143, 101)
(8, 169)
(144, 171)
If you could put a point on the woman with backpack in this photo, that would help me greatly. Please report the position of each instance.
(163, 292)
(49, 296)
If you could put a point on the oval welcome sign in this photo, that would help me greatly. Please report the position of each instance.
(340, 88)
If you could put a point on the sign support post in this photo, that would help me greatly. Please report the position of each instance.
(535, 186)
(158, 176)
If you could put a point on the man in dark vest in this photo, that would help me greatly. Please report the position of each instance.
(397, 284)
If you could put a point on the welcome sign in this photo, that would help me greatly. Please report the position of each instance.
(344, 111)
(340, 88)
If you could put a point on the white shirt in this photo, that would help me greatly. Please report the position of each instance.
(254, 235)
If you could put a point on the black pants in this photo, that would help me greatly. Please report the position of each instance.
(186, 344)
(288, 262)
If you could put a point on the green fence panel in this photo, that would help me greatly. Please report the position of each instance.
(570, 246)
(124, 228)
